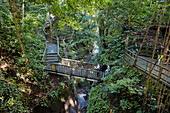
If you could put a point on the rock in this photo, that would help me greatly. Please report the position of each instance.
(72, 110)
(82, 102)
(41, 109)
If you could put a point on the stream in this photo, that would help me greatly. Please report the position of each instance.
(82, 87)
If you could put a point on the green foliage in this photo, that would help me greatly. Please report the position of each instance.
(98, 101)
(115, 49)
(124, 95)
(22, 77)
(123, 17)
(123, 91)
(11, 99)
(65, 9)
(32, 22)
(63, 91)
(78, 43)
(4, 13)
(17, 72)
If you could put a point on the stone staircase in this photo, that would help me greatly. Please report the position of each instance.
(52, 58)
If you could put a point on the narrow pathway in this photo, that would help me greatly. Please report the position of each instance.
(143, 63)
(67, 67)
(52, 48)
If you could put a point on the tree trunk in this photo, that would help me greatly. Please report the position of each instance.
(145, 35)
(23, 12)
(64, 49)
(150, 69)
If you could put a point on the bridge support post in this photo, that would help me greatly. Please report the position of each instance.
(86, 74)
(147, 66)
(75, 96)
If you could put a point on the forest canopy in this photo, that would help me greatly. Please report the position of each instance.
(81, 27)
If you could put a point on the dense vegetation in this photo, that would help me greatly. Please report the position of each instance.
(79, 24)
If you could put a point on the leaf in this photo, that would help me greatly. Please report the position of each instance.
(139, 111)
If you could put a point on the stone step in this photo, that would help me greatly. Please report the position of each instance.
(54, 55)
(52, 60)
(51, 53)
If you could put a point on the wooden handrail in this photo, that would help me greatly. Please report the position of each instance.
(45, 52)
(142, 47)
(76, 68)
(143, 64)
(75, 71)
(48, 36)
(143, 58)
(77, 63)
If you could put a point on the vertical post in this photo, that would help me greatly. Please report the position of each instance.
(46, 49)
(76, 95)
(98, 75)
(1, 13)
(70, 73)
(23, 11)
(103, 74)
(50, 25)
(147, 66)
(81, 72)
(56, 67)
(53, 67)
(86, 75)
(57, 45)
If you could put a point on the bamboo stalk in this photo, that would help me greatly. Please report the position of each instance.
(166, 30)
(165, 71)
(162, 62)
(164, 54)
(16, 9)
(161, 71)
(16, 28)
(51, 28)
(145, 35)
(64, 48)
(166, 102)
(164, 86)
(23, 11)
(153, 54)
(50, 25)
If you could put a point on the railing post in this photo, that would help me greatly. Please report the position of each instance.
(86, 75)
(56, 68)
(98, 74)
(62, 61)
(70, 72)
(57, 45)
(147, 66)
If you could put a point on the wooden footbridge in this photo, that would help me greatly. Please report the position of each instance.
(56, 64)
(67, 67)
(144, 61)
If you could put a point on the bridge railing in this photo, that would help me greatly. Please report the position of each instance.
(49, 38)
(70, 67)
(76, 63)
(145, 51)
(45, 52)
(144, 65)
(75, 71)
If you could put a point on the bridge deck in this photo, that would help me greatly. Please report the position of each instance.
(69, 67)
(74, 71)
(143, 63)
(52, 48)
(86, 70)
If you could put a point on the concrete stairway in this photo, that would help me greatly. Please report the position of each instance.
(52, 58)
